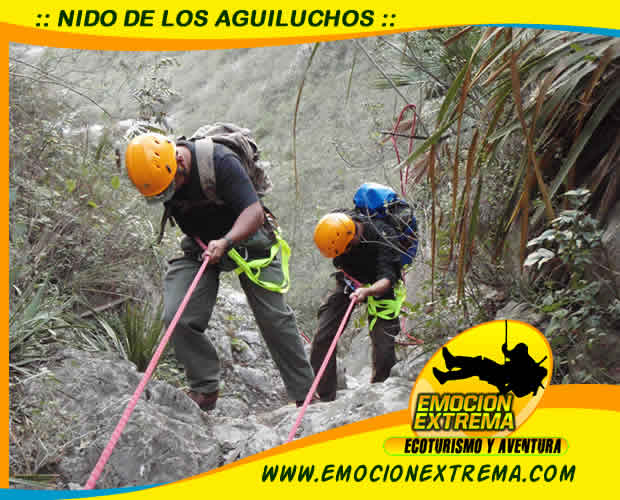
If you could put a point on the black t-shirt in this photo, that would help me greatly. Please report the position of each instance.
(207, 220)
(375, 257)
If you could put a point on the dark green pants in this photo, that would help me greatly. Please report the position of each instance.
(275, 319)
(331, 313)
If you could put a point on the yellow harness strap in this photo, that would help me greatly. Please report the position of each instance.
(387, 308)
(253, 268)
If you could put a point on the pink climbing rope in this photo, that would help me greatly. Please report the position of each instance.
(94, 475)
(320, 373)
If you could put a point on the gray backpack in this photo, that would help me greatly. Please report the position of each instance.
(240, 141)
(237, 139)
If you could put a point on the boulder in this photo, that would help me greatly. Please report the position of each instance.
(76, 402)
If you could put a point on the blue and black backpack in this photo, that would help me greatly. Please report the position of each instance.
(378, 201)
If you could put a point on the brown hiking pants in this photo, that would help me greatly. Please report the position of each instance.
(330, 314)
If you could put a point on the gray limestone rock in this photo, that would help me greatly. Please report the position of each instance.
(76, 402)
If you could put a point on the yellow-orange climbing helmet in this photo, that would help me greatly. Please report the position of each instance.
(333, 234)
(151, 164)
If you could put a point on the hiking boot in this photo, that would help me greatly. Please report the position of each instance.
(315, 399)
(205, 400)
(326, 398)
(440, 376)
(448, 358)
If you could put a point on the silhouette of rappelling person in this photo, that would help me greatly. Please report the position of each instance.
(519, 374)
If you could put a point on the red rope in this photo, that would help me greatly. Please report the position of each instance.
(305, 337)
(414, 341)
(96, 473)
(404, 182)
(351, 278)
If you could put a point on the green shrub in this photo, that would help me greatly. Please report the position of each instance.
(566, 260)
(135, 333)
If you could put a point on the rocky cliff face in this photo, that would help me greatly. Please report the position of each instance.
(76, 404)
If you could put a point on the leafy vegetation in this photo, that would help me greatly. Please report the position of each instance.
(79, 240)
(522, 106)
(137, 332)
(569, 271)
(546, 102)
(509, 127)
(552, 92)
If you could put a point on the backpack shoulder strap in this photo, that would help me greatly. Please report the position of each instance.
(204, 148)
(166, 216)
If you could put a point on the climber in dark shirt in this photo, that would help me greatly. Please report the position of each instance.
(168, 172)
(360, 249)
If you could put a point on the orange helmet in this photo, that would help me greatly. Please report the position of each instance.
(151, 164)
(333, 234)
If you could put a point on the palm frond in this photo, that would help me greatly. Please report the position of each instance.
(540, 99)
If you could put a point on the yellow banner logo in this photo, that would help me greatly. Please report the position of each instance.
(485, 382)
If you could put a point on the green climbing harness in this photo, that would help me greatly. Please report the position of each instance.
(387, 308)
(253, 268)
